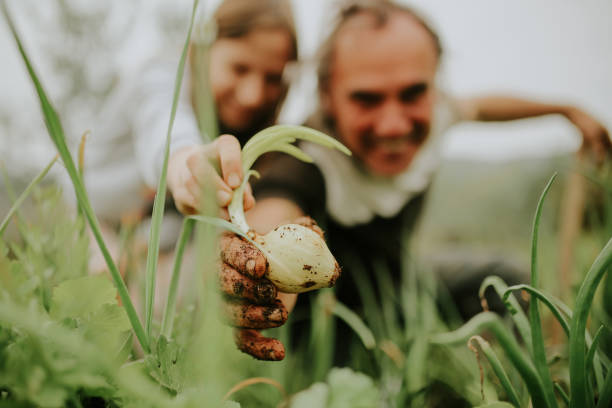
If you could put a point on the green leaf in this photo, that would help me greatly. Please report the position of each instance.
(351, 389)
(164, 363)
(82, 296)
(513, 306)
(497, 367)
(160, 195)
(108, 328)
(584, 300)
(25, 194)
(54, 127)
(313, 397)
(537, 337)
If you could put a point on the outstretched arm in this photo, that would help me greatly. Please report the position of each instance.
(595, 136)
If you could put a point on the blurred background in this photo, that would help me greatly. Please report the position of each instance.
(485, 194)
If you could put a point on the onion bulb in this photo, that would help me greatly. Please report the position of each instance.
(298, 257)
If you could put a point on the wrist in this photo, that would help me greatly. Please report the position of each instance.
(568, 111)
(176, 160)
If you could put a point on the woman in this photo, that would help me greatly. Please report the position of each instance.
(254, 42)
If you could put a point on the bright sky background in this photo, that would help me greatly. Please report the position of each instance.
(559, 50)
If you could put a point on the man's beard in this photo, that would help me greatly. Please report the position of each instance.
(417, 136)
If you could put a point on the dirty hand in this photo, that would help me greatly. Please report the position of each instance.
(214, 165)
(253, 302)
(595, 136)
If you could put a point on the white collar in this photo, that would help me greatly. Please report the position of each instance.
(355, 196)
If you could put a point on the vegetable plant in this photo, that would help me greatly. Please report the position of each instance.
(590, 382)
(79, 320)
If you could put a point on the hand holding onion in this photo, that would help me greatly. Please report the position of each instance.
(293, 257)
(252, 299)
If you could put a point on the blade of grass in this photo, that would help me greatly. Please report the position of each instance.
(10, 192)
(390, 305)
(25, 194)
(204, 37)
(322, 335)
(491, 322)
(371, 307)
(497, 367)
(590, 359)
(605, 396)
(559, 309)
(355, 323)
(160, 196)
(56, 133)
(169, 309)
(81, 168)
(548, 300)
(577, 344)
(537, 337)
(562, 394)
(513, 306)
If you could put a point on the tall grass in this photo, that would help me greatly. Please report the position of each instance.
(586, 365)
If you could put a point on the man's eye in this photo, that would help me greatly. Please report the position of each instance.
(412, 93)
(366, 99)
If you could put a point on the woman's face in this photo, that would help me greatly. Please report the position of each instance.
(246, 76)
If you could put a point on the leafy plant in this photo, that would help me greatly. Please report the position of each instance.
(590, 383)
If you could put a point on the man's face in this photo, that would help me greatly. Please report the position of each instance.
(381, 90)
(246, 76)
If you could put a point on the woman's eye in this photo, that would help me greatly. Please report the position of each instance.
(274, 79)
(240, 69)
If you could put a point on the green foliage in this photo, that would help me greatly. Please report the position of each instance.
(164, 363)
(89, 304)
(344, 388)
(586, 365)
(52, 249)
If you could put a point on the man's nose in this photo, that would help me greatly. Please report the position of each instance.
(393, 121)
(250, 93)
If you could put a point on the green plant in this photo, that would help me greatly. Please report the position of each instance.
(587, 366)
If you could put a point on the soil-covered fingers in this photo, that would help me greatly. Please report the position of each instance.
(236, 285)
(250, 316)
(242, 256)
(262, 348)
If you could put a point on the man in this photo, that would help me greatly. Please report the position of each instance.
(378, 95)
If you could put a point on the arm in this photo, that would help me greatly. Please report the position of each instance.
(502, 108)
(154, 94)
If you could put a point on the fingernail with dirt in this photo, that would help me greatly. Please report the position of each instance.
(276, 315)
(250, 266)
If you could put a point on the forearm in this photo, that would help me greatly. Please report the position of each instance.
(595, 136)
(504, 108)
(150, 122)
